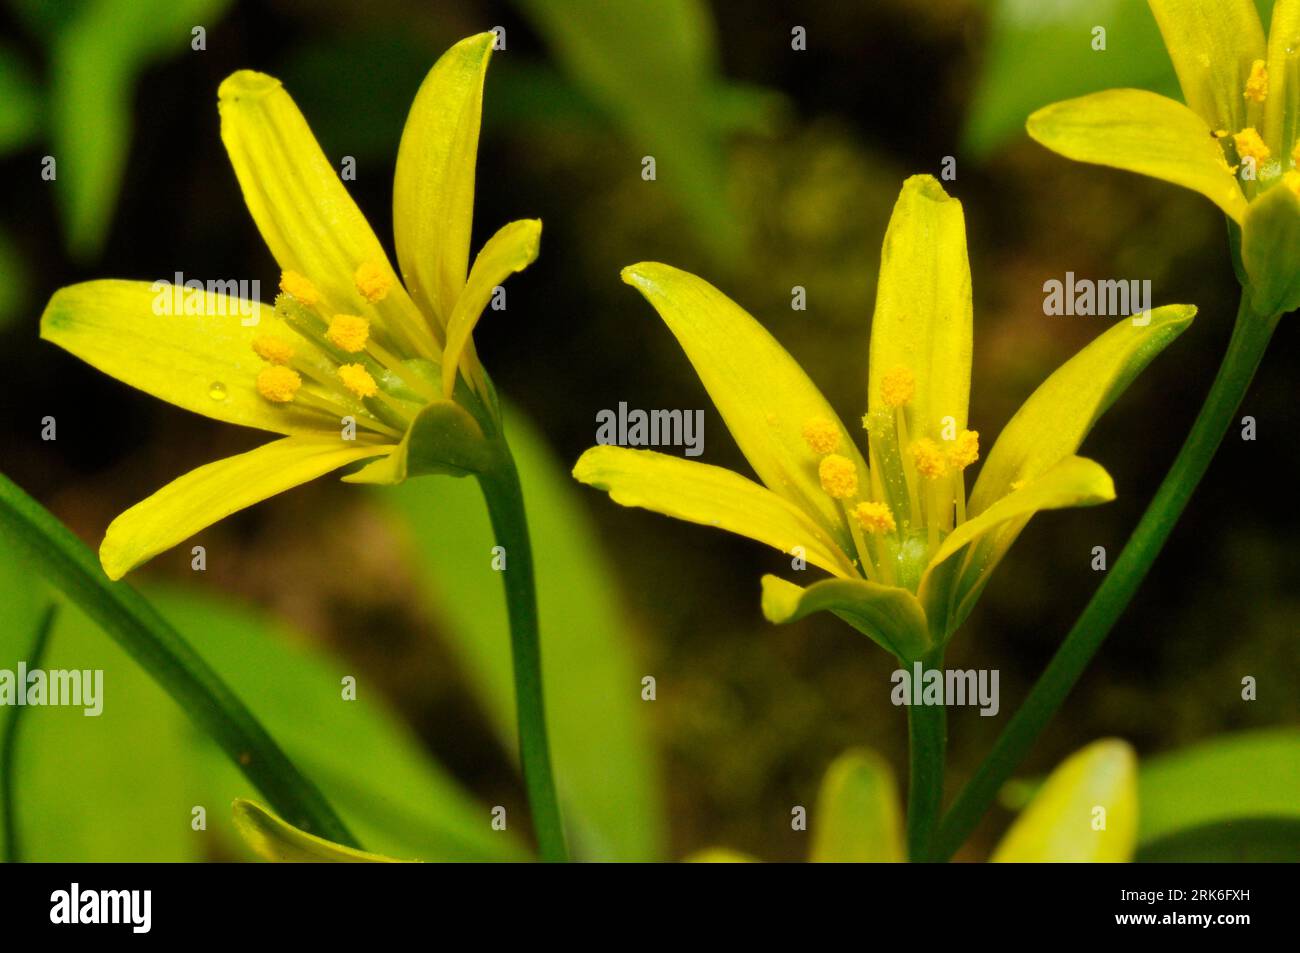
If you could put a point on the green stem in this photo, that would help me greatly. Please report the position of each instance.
(134, 624)
(505, 503)
(927, 732)
(9, 745)
(1250, 338)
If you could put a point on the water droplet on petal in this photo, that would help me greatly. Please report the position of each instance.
(217, 390)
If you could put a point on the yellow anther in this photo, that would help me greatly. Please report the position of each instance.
(278, 384)
(1257, 84)
(373, 281)
(1251, 146)
(821, 435)
(898, 387)
(875, 517)
(348, 332)
(358, 380)
(1292, 181)
(274, 350)
(839, 476)
(965, 450)
(931, 462)
(292, 283)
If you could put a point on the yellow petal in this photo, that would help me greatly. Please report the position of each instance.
(1085, 812)
(305, 215)
(1057, 417)
(212, 492)
(720, 855)
(857, 819)
(763, 395)
(511, 249)
(922, 320)
(1141, 132)
(433, 189)
(276, 840)
(947, 594)
(203, 362)
(1282, 108)
(710, 496)
(888, 615)
(1213, 45)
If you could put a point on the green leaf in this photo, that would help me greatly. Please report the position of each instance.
(652, 66)
(369, 764)
(604, 763)
(20, 103)
(50, 550)
(858, 819)
(1246, 840)
(1039, 53)
(273, 839)
(1249, 774)
(97, 56)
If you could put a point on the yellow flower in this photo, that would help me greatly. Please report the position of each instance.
(350, 358)
(907, 581)
(1234, 141)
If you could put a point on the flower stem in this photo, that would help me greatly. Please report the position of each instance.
(927, 731)
(1250, 337)
(505, 503)
(9, 744)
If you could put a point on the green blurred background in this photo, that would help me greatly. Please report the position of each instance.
(775, 168)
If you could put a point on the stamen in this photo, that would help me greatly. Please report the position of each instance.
(898, 387)
(292, 283)
(875, 517)
(929, 459)
(1257, 84)
(821, 435)
(964, 450)
(272, 349)
(358, 380)
(1251, 146)
(278, 384)
(348, 332)
(839, 477)
(373, 281)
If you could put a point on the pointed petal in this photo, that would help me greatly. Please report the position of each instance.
(433, 189)
(710, 496)
(133, 331)
(1060, 825)
(1213, 46)
(305, 215)
(923, 306)
(1056, 418)
(889, 616)
(276, 840)
(1282, 108)
(1141, 132)
(1074, 481)
(204, 496)
(858, 819)
(513, 248)
(763, 395)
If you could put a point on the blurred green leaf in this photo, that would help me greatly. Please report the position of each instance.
(652, 66)
(1247, 840)
(389, 792)
(1250, 774)
(604, 759)
(273, 839)
(20, 103)
(858, 819)
(96, 57)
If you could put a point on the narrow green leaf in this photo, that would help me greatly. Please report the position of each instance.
(9, 743)
(126, 616)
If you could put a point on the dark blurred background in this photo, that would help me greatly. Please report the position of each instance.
(788, 180)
